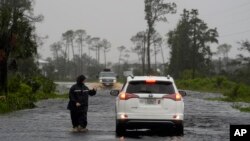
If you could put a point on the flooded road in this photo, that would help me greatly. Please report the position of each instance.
(50, 121)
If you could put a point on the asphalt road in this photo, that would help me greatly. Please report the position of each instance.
(50, 121)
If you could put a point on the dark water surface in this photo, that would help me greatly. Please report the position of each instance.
(50, 121)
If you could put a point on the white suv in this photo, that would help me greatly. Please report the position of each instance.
(107, 78)
(149, 102)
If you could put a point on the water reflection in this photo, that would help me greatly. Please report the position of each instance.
(122, 138)
(147, 134)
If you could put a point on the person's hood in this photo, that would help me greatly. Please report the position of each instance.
(80, 79)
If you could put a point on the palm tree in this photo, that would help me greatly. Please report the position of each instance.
(120, 49)
(140, 47)
(80, 38)
(106, 48)
(96, 46)
(69, 36)
(157, 41)
(55, 48)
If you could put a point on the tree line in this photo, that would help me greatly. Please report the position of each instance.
(80, 53)
(190, 47)
(191, 56)
(155, 11)
(72, 55)
(77, 52)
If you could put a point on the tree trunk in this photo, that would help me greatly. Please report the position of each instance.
(148, 52)
(119, 63)
(155, 58)
(143, 55)
(81, 57)
(194, 55)
(3, 77)
(73, 52)
(163, 60)
(105, 62)
(98, 55)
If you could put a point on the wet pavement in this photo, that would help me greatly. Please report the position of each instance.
(50, 121)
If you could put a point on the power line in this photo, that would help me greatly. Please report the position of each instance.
(236, 21)
(236, 33)
(228, 10)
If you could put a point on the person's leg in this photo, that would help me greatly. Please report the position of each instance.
(74, 118)
(83, 117)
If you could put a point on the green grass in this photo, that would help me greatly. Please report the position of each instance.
(236, 106)
(233, 92)
(241, 108)
(244, 109)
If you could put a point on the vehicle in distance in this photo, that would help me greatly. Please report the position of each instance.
(149, 102)
(107, 78)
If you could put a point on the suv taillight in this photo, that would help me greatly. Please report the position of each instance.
(126, 96)
(175, 97)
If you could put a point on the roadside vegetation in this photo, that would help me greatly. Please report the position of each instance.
(22, 82)
(24, 92)
(196, 67)
(232, 91)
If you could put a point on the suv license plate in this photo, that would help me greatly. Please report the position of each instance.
(151, 101)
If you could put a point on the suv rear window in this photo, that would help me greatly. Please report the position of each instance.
(161, 87)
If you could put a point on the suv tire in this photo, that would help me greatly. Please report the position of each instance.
(179, 129)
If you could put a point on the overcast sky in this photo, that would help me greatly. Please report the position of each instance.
(118, 20)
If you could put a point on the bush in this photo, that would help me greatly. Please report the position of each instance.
(233, 91)
(239, 92)
(14, 83)
(219, 81)
(48, 86)
(186, 74)
(41, 83)
(35, 84)
(23, 92)
(23, 98)
(3, 105)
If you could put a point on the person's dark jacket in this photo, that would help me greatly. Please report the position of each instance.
(79, 93)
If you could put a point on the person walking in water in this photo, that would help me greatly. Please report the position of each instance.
(78, 104)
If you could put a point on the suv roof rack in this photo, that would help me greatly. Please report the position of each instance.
(168, 76)
(131, 76)
(106, 69)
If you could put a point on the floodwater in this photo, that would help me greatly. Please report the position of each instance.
(50, 121)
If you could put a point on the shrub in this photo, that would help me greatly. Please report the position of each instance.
(24, 98)
(219, 81)
(14, 83)
(186, 74)
(34, 83)
(217, 84)
(41, 83)
(3, 105)
(235, 92)
(23, 92)
(48, 86)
